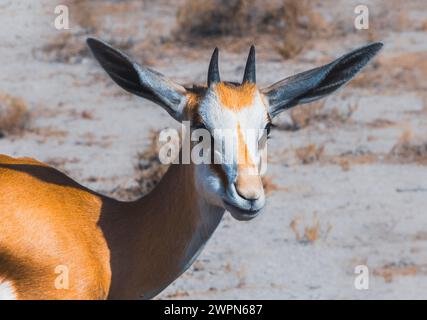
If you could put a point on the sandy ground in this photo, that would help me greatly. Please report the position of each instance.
(364, 206)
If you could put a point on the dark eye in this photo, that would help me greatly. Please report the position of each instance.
(199, 125)
(268, 129)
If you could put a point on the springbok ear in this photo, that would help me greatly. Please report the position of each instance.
(319, 82)
(138, 79)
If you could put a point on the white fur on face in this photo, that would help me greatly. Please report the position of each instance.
(222, 121)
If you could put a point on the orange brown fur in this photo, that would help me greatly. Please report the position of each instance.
(117, 250)
(235, 97)
(193, 101)
(46, 223)
(243, 157)
(248, 181)
(194, 96)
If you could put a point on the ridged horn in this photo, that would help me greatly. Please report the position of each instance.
(250, 71)
(213, 73)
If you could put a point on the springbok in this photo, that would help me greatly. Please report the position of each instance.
(49, 224)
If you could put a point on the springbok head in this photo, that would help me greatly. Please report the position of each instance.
(223, 107)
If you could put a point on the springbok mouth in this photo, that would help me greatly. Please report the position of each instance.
(241, 214)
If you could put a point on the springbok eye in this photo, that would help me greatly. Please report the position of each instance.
(199, 125)
(265, 136)
(268, 129)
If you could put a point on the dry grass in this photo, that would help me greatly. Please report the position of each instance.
(67, 47)
(151, 170)
(47, 133)
(90, 15)
(93, 18)
(309, 153)
(405, 70)
(302, 24)
(313, 113)
(409, 149)
(200, 19)
(178, 294)
(346, 161)
(302, 116)
(386, 20)
(270, 186)
(14, 114)
(148, 171)
(309, 231)
(392, 270)
(60, 163)
(290, 23)
(64, 48)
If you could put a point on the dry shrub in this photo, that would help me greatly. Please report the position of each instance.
(310, 153)
(64, 48)
(404, 70)
(150, 169)
(302, 23)
(397, 20)
(90, 15)
(14, 114)
(381, 123)
(302, 116)
(409, 149)
(47, 132)
(93, 17)
(70, 46)
(199, 19)
(178, 294)
(391, 270)
(307, 232)
(84, 14)
(269, 185)
(67, 47)
(346, 161)
(344, 164)
(407, 70)
(313, 113)
(60, 163)
(290, 23)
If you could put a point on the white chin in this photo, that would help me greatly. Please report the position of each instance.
(241, 214)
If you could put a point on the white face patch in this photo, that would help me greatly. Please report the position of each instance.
(220, 120)
(7, 290)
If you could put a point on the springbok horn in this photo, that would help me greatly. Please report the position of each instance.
(213, 73)
(250, 72)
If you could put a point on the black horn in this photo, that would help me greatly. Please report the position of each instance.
(250, 72)
(213, 73)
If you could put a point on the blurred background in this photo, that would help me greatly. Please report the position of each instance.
(347, 176)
